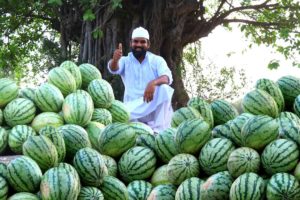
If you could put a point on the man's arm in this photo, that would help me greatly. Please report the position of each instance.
(114, 64)
(150, 89)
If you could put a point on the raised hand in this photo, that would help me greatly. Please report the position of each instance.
(118, 53)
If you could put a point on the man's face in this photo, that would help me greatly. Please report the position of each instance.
(140, 44)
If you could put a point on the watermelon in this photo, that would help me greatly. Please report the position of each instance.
(24, 174)
(48, 98)
(183, 114)
(1, 117)
(8, 91)
(139, 189)
(214, 155)
(217, 186)
(248, 186)
(42, 150)
(101, 93)
(60, 184)
(3, 170)
(223, 111)
(88, 73)
(88, 193)
(119, 112)
(281, 155)
(141, 128)
(3, 140)
(23, 196)
(259, 102)
(160, 176)
(18, 135)
(3, 188)
(75, 138)
(137, 163)
(111, 165)
(203, 108)
(47, 119)
(189, 189)
(221, 131)
(19, 111)
(289, 129)
(146, 140)
(90, 166)
(113, 189)
(243, 160)
(182, 167)
(236, 126)
(163, 192)
(71, 170)
(78, 109)
(283, 186)
(259, 131)
(296, 172)
(291, 116)
(290, 88)
(27, 93)
(94, 129)
(63, 80)
(74, 70)
(297, 105)
(102, 116)
(116, 138)
(273, 89)
(191, 135)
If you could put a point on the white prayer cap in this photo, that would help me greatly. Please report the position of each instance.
(140, 32)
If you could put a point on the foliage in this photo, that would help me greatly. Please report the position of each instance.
(210, 82)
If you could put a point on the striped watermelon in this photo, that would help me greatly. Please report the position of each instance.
(259, 131)
(137, 163)
(47, 119)
(60, 184)
(223, 111)
(297, 105)
(75, 138)
(281, 155)
(243, 160)
(160, 176)
(289, 129)
(259, 102)
(116, 138)
(146, 140)
(189, 189)
(102, 116)
(3, 170)
(236, 127)
(139, 190)
(183, 114)
(141, 128)
(48, 98)
(163, 192)
(111, 165)
(217, 186)
(78, 109)
(8, 91)
(74, 70)
(221, 131)
(62, 79)
(1, 117)
(296, 172)
(17, 136)
(3, 188)
(88, 193)
(248, 186)
(191, 135)
(19, 111)
(165, 144)
(71, 170)
(101, 93)
(24, 174)
(88, 73)
(57, 139)
(23, 196)
(27, 93)
(3, 140)
(273, 89)
(119, 112)
(41, 150)
(283, 186)
(113, 189)
(204, 109)
(90, 166)
(291, 116)
(182, 167)
(290, 88)
(94, 129)
(214, 155)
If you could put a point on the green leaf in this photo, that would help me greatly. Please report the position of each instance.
(274, 64)
(55, 2)
(116, 4)
(88, 15)
(97, 33)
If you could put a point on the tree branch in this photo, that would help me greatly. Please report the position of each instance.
(255, 23)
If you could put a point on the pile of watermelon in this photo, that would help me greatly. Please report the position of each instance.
(75, 141)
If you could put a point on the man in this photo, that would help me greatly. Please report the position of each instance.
(146, 77)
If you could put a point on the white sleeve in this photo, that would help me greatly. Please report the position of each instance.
(121, 67)
(163, 69)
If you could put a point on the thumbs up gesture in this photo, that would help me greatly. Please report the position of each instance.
(118, 53)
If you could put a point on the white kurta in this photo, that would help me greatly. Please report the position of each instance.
(135, 76)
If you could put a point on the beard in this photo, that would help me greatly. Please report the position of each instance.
(138, 53)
